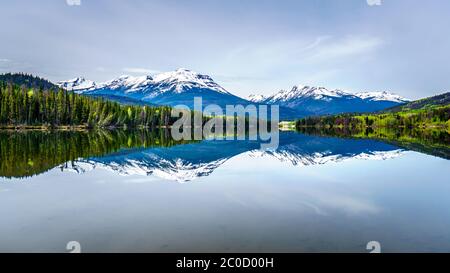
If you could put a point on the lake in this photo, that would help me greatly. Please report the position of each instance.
(140, 191)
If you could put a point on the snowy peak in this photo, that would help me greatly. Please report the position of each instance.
(381, 96)
(312, 101)
(314, 92)
(300, 91)
(175, 81)
(128, 82)
(256, 98)
(179, 75)
(183, 78)
(77, 84)
(322, 93)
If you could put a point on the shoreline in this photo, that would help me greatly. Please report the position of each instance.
(70, 128)
(421, 127)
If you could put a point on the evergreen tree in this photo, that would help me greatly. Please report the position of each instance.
(37, 107)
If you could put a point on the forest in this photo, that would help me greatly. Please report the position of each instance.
(429, 117)
(23, 106)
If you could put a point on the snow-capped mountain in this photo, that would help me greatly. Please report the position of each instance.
(256, 98)
(169, 88)
(325, 94)
(77, 84)
(320, 100)
(305, 92)
(131, 84)
(176, 81)
(381, 96)
(181, 86)
(183, 79)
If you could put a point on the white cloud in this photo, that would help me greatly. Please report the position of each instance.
(317, 42)
(4, 60)
(300, 55)
(320, 60)
(138, 70)
(290, 53)
(345, 48)
(374, 2)
(73, 2)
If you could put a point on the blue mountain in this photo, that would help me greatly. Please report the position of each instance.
(174, 88)
(170, 88)
(181, 86)
(322, 101)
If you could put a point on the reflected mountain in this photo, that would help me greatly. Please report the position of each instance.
(184, 163)
(155, 153)
(181, 163)
(304, 150)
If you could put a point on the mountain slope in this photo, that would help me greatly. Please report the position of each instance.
(429, 113)
(434, 101)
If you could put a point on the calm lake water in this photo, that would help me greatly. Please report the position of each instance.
(143, 192)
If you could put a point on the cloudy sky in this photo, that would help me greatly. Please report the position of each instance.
(248, 46)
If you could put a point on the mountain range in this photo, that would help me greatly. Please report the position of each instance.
(179, 87)
(323, 101)
(169, 88)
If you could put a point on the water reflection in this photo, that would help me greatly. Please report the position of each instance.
(430, 141)
(28, 153)
(24, 154)
(314, 193)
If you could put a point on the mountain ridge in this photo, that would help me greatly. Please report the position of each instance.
(433, 101)
(323, 101)
(182, 85)
(167, 88)
(27, 80)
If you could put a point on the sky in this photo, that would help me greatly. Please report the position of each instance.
(247, 46)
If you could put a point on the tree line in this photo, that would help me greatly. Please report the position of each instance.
(20, 105)
(437, 116)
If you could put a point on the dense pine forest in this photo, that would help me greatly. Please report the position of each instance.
(23, 106)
